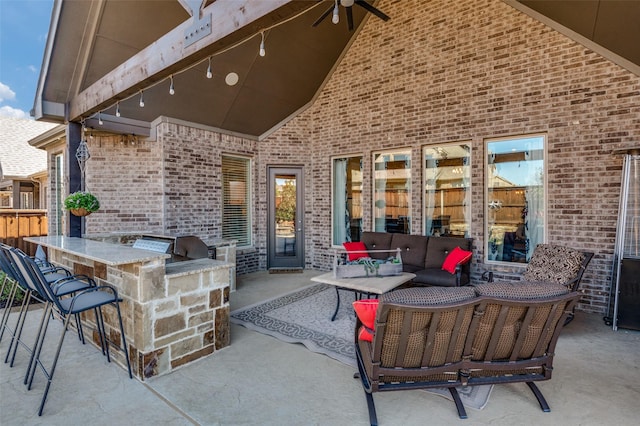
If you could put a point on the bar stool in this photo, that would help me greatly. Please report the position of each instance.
(93, 298)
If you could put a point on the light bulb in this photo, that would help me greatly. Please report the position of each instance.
(118, 109)
(172, 90)
(209, 73)
(262, 50)
(100, 122)
(141, 99)
(336, 17)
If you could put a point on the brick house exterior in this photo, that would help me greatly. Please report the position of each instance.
(447, 71)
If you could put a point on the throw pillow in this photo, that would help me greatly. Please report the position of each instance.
(456, 257)
(366, 310)
(355, 250)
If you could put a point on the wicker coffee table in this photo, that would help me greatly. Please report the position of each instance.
(367, 286)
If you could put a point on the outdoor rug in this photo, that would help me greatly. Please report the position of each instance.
(304, 316)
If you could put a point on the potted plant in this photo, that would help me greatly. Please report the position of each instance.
(81, 203)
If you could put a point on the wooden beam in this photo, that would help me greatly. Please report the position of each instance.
(168, 54)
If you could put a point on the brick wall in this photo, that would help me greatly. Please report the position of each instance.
(125, 174)
(193, 183)
(469, 70)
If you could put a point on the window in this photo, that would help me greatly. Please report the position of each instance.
(236, 199)
(515, 209)
(26, 200)
(346, 200)
(391, 197)
(447, 197)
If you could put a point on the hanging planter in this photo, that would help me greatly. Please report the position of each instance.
(81, 203)
(80, 212)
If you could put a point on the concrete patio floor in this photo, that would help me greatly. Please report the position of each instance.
(261, 380)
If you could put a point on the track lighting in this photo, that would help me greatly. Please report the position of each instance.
(232, 78)
(262, 50)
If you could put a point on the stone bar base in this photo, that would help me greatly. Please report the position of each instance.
(173, 314)
(189, 316)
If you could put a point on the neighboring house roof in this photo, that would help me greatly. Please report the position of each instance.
(18, 159)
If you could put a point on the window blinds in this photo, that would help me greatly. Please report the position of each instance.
(236, 214)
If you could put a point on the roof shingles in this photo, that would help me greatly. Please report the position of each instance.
(17, 157)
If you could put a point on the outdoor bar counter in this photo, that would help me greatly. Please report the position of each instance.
(173, 313)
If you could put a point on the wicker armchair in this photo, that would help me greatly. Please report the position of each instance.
(463, 336)
(551, 263)
(557, 264)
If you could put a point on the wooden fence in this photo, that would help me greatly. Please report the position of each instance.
(17, 224)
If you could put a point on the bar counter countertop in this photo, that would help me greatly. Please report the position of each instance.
(107, 253)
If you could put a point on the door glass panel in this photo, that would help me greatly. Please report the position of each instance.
(347, 200)
(285, 212)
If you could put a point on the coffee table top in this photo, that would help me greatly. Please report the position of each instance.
(372, 285)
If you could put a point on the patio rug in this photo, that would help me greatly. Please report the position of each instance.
(304, 316)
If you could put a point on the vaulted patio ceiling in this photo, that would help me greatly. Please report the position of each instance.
(103, 53)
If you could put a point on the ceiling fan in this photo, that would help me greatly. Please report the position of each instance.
(348, 4)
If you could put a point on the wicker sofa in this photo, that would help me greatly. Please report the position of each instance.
(422, 256)
(493, 333)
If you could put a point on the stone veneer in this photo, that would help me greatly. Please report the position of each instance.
(170, 318)
(437, 72)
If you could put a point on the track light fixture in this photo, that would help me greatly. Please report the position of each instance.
(262, 50)
(232, 78)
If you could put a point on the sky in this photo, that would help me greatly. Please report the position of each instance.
(24, 25)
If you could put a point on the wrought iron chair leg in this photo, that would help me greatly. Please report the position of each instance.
(124, 339)
(539, 397)
(373, 419)
(35, 357)
(462, 413)
(8, 303)
(102, 333)
(366, 387)
(49, 375)
(17, 333)
(79, 329)
(23, 306)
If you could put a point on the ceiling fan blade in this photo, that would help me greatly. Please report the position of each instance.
(372, 9)
(350, 18)
(324, 15)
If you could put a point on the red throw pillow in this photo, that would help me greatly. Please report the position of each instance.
(456, 257)
(366, 310)
(356, 250)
